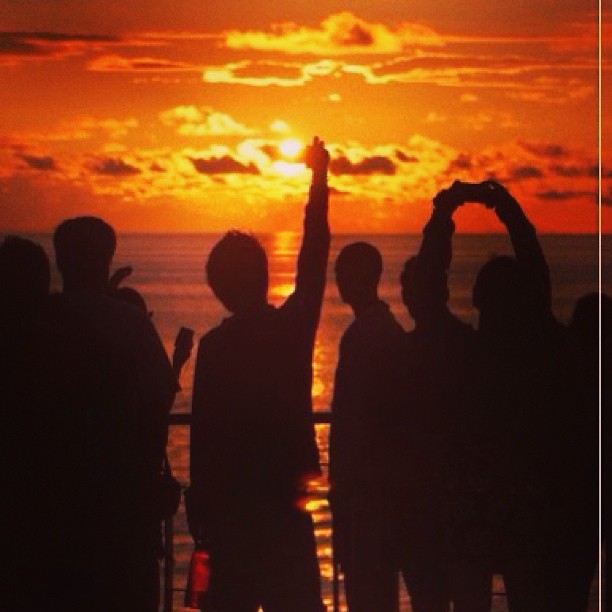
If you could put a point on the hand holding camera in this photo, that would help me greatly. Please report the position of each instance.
(447, 200)
(482, 193)
(490, 193)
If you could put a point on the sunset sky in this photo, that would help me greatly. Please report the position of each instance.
(183, 115)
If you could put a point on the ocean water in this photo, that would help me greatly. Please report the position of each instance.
(169, 272)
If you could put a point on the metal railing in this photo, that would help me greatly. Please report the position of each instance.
(184, 418)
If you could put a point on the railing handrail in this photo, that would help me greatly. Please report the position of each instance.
(184, 418)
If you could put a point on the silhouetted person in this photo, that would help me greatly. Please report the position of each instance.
(56, 378)
(252, 437)
(443, 552)
(365, 395)
(24, 287)
(183, 342)
(125, 576)
(24, 277)
(521, 402)
(590, 332)
(169, 493)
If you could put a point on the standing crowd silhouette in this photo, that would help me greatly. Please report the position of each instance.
(455, 453)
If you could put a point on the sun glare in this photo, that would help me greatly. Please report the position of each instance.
(288, 168)
(291, 147)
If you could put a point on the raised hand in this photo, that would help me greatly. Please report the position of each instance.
(118, 276)
(317, 159)
(502, 201)
(183, 346)
(448, 200)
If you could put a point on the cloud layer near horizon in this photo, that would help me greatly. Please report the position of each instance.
(189, 121)
(391, 184)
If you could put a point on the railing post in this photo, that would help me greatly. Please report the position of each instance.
(335, 582)
(168, 564)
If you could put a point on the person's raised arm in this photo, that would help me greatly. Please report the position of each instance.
(314, 253)
(430, 284)
(436, 247)
(527, 248)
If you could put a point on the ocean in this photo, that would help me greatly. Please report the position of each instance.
(169, 272)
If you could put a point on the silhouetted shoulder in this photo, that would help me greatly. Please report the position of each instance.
(210, 345)
(132, 330)
(376, 327)
(212, 337)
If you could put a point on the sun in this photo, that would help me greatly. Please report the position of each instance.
(287, 168)
(291, 165)
(291, 147)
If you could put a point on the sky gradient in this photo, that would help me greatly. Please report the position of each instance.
(169, 115)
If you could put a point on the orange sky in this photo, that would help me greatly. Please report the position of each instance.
(168, 115)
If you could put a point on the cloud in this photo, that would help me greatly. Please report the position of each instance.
(572, 171)
(191, 120)
(544, 149)
(16, 47)
(222, 165)
(554, 194)
(272, 151)
(118, 63)
(172, 36)
(339, 34)
(114, 128)
(278, 126)
(45, 162)
(525, 172)
(372, 184)
(462, 162)
(403, 157)
(82, 128)
(517, 77)
(113, 166)
(377, 164)
(506, 163)
(263, 73)
(433, 117)
(523, 80)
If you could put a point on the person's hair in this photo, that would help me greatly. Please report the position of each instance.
(237, 271)
(358, 268)
(501, 286)
(24, 278)
(362, 258)
(84, 249)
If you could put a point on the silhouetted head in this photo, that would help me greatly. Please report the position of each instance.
(237, 272)
(358, 269)
(84, 249)
(421, 309)
(24, 279)
(502, 295)
(584, 323)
